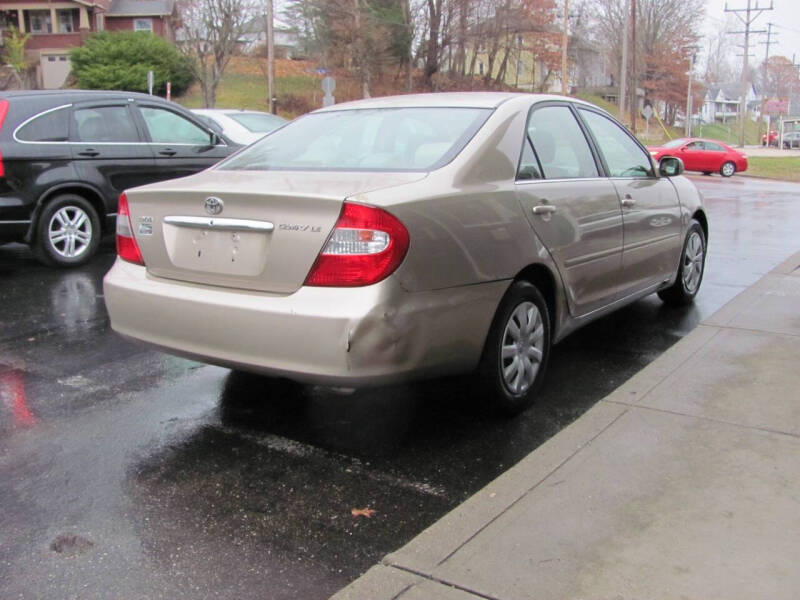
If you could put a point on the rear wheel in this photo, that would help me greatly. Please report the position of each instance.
(517, 350)
(691, 269)
(727, 169)
(67, 232)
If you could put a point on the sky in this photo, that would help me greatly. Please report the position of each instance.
(785, 16)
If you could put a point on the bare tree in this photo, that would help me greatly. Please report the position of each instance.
(210, 33)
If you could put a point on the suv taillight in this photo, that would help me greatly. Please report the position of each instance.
(366, 246)
(127, 248)
(3, 113)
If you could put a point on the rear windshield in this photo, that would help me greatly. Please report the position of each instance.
(257, 123)
(384, 139)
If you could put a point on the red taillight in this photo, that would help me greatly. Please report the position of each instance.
(127, 248)
(3, 113)
(366, 246)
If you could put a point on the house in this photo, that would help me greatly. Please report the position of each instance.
(286, 39)
(58, 25)
(723, 101)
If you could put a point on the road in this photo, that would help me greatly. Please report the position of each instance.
(129, 473)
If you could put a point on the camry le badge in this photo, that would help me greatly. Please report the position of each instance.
(213, 205)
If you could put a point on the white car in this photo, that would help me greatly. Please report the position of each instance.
(241, 126)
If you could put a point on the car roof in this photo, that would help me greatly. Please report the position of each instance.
(73, 95)
(444, 100)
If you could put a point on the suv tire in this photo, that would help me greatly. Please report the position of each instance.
(67, 231)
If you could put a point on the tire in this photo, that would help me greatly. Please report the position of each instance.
(691, 269)
(727, 169)
(67, 232)
(513, 389)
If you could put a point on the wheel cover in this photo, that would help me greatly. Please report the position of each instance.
(693, 262)
(70, 231)
(522, 348)
(728, 168)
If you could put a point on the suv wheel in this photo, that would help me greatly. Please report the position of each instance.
(67, 232)
(517, 349)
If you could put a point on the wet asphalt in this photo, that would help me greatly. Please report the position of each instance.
(127, 473)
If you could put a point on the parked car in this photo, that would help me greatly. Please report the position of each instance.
(770, 138)
(791, 140)
(708, 156)
(398, 238)
(242, 126)
(67, 155)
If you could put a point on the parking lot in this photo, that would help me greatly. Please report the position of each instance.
(130, 473)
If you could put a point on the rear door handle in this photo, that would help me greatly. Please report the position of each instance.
(544, 209)
(168, 152)
(628, 202)
(89, 152)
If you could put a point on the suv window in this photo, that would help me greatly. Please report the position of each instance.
(105, 124)
(167, 127)
(50, 126)
(624, 157)
(559, 143)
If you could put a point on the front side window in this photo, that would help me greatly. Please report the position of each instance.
(385, 139)
(52, 126)
(111, 124)
(695, 146)
(560, 145)
(167, 127)
(624, 157)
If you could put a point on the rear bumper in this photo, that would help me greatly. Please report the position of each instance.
(346, 337)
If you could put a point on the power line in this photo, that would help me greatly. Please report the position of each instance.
(752, 13)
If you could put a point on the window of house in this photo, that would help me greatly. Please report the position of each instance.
(39, 21)
(66, 20)
(143, 24)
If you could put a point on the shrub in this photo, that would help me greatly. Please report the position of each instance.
(121, 60)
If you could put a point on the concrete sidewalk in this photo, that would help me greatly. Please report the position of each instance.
(683, 483)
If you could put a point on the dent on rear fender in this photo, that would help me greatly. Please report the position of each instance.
(429, 331)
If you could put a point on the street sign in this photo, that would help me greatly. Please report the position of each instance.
(328, 85)
(647, 112)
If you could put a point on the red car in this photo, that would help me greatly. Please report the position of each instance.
(707, 156)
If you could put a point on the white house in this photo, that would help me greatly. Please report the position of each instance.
(722, 102)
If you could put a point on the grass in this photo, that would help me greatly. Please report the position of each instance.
(729, 133)
(786, 168)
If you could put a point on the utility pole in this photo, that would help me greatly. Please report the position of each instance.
(752, 13)
(270, 58)
(689, 98)
(764, 79)
(564, 42)
(634, 98)
(623, 68)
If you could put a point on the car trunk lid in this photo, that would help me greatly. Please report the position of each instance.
(251, 230)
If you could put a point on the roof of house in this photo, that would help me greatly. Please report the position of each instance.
(140, 8)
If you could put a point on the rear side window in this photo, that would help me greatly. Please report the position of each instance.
(50, 126)
(560, 145)
(105, 124)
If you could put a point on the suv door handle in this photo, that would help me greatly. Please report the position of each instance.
(89, 152)
(168, 152)
(544, 209)
(628, 202)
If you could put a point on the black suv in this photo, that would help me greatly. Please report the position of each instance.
(65, 156)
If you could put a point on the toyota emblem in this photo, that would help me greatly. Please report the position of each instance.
(213, 205)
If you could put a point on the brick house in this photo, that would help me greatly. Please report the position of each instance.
(58, 25)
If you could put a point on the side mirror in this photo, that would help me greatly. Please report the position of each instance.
(670, 166)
